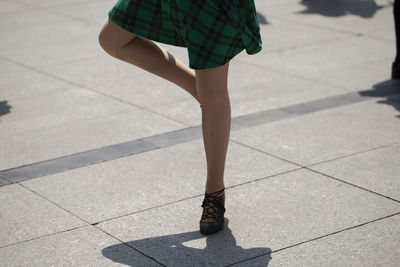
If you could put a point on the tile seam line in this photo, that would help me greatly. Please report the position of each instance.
(354, 185)
(323, 174)
(337, 86)
(361, 98)
(190, 197)
(74, 215)
(79, 153)
(353, 154)
(128, 245)
(94, 91)
(319, 237)
(127, 214)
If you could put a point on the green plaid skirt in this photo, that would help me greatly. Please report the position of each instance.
(214, 31)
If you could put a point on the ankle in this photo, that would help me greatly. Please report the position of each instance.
(216, 190)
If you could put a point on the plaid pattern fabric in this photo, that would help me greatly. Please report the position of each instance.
(214, 31)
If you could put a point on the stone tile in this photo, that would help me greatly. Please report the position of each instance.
(56, 109)
(77, 160)
(81, 135)
(26, 17)
(261, 216)
(259, 89)
(327, 134)
(66, 40)
(343, 63)
(377, 170)
(351, 16)
(86, 246)
(8, 7)
(7, 66)
(50, 3)
(279, 35)
(3, 182)
(29, 216)
(27, 83)
(119, 79)
(373, 244)
(95, 11)
(119, 187)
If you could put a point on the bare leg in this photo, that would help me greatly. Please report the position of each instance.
(147, 55)
(212, 89)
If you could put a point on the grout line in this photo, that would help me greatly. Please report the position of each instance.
(360, 187)
(93, 91)
(145, 144)
(81, 219)
(352, 154)
(313, 239)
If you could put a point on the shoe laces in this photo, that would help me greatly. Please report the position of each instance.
(213, 206)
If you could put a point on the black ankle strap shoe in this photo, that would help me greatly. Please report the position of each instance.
(212, 219)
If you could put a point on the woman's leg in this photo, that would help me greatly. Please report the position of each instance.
(212, 89)
(147, 55)
(396, 12)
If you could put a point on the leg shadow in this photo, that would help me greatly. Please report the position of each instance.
(189, 249)
(389, 89)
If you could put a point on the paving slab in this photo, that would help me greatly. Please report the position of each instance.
(7, 66)
(261, 216)
(8, 7)
(327, 134)
(376, 170)
(95, 11)
(119, 187)
(85, 246)
(50, 3)
(341, 63)
(81, 136)
(262, 89)
(373, 244)
(119, 79)
(353, 16)
(58, 108)
(24, 17)
(279, 34)
(25, 215)
(66, 40)
(3, 182)
(25, 83)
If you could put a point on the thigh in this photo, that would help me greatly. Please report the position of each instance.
(212, 83)
(112, 36)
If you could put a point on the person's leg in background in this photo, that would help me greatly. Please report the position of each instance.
(396, 63)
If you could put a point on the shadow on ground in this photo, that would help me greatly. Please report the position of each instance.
(389, 89)
(337, 8)
(4, 107)
(218, 249)
(261, 18)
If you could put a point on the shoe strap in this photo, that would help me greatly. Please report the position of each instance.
(217, 206)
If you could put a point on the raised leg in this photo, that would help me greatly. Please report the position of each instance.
(147, 55)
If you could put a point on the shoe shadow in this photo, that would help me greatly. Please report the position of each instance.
(329, 8)
(190, 249)
(389, 89)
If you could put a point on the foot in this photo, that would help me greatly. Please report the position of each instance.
(396, 70)
(212, 219)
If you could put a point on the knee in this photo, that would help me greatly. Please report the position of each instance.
(107, 44)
